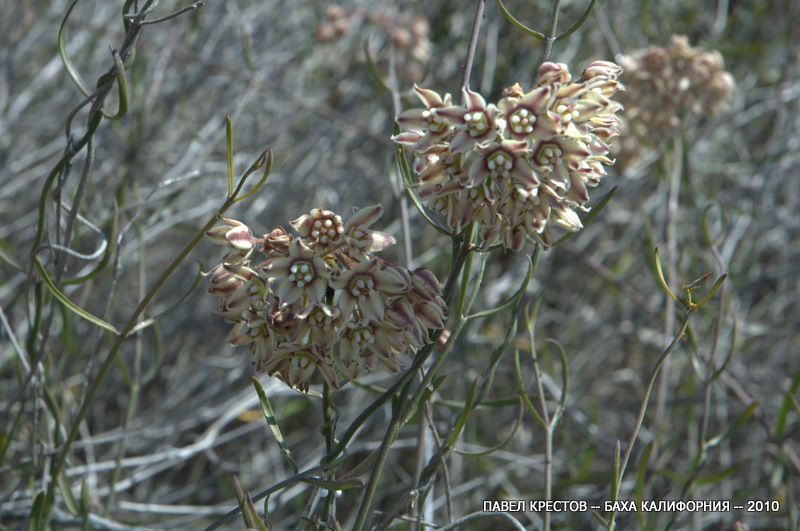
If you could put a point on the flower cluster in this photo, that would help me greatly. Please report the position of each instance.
(673, 87)
(321, 301)
(513, 166)
(408, 34)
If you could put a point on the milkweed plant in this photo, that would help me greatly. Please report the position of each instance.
(319, 304)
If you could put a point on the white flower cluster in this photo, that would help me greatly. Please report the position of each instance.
(512, 167)
(322, 301)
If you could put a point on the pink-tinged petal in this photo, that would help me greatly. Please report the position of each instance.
(430, 315)
(380, 241)
(390, 281)
(240, 271)
(329, 374)
(240, 238)
(320, 268)
(238, 301)
(461, 142)
(425, 281)
(301, 368)
(385, 343)
(400, 314)
(223, 288)
(341, 281)
(578, 190)
(288, 292)
(473, 100)
(390, 364)
(346, 304)
(316, 291)
(409, 137)
(349, 367)
(517, 239)
(368, 362)
(554, 73)
(570, 91)
(217, 234)
(517, 147)
(453, 114)
(477, 171)
(239, 335)
(414, 118)
(296, 248)
(401, 271)
(524, 176)
(601, 68)
(278, 266)
(428, 97)
(536, 99)
(568, 219)
(303, 225)
(372, 308)
(365, 217)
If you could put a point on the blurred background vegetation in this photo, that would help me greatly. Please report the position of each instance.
(177, 414)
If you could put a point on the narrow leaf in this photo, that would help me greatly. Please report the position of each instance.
(578, 23)
(641, 476)
(269, 414)
(519, 25)
(122, 88)
(463, 416)
(510, 302)
(36, 512)
(249, 514)
(488, 451)
(107, 254)
(780, 422)
(69, 500)
(661, 279)
(257, 187)
(71, 305)
(615, 479)
(335, 484)
(716, 477)
(373, 70)
(713, 290)
(62, 51)
(741, 421)
(562, 402)
(523, 394)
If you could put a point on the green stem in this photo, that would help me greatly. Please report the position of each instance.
(551, 36)
(396, 422)
(643, 410)
(328, 431)
(419, 360)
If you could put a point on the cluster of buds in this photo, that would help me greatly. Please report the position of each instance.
(321, 302)
(335, 25)
(513, 167)
(674, 87)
